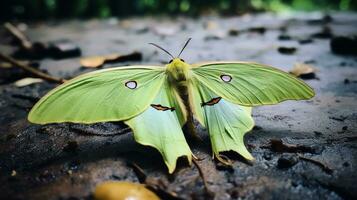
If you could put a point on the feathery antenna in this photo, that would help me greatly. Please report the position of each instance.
(184, 46)
(162, 49)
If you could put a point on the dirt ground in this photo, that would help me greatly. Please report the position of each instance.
(315, 159)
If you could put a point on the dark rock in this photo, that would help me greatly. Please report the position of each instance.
(10, 136)
(344, 45)
(317, 133)
(325, 33)
(324, 20)
(308, 76)
(257, 128)
(287, 161)
(233, 32)
(284, 37)
(287, 50)
(71, 146)
(267, 156)
(346, 164)
(63, 48)
(340, 118)
(305, 41)
(260, 30)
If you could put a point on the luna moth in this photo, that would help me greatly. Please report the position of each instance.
(156, 102)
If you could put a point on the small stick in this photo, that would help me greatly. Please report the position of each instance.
(139, 172)
(207, 190)
(25, 42)
(323, 166)
(36, 72)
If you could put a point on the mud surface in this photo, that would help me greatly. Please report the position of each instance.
(315, 159)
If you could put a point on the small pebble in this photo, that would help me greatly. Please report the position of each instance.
(346, 164)
(287, 50)
(286, 161)
(71, 146)
(317, 133)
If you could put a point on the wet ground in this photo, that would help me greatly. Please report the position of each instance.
(303, 150)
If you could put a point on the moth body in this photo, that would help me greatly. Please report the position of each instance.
(178, 72)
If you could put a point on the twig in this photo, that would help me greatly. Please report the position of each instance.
(139, 172)
(323, 166)
(25, 42)
(207, 190)
(278, 145)
(154, 184)
(36, 72)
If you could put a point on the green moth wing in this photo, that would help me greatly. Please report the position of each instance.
(250, 84)
(226, 122)
(159, 126)
(104, 95)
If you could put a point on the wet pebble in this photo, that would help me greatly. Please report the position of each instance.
(286, 161)
(287, 50)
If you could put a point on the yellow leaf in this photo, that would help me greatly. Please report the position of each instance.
(301, 70)
(98, 61)
(120, 190)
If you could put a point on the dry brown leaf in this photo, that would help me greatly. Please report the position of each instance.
(98, 61)
(303, 70)
(5, 65)
(165, 30)
(27, 81)
(210, 25)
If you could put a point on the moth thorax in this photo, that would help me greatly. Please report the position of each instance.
(178, 74)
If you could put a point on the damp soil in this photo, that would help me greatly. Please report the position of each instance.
(302, 150)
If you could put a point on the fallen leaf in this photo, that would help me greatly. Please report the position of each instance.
(210, 25)
(304, 71)
(96, 61)
(13, 173)
(99, 61)
(167, 30)
(215, 35)
(27, 81)
(5, 65)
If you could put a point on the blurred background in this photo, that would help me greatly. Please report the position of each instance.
(59, 9)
